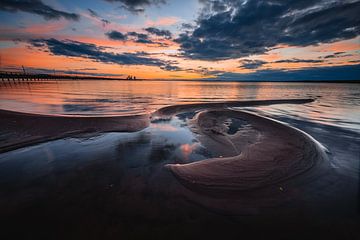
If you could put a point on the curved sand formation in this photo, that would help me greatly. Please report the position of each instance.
(22, 129)
(176, 109)
(261, 153)
(252, 152)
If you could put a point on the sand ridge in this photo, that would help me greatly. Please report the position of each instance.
(265, 154)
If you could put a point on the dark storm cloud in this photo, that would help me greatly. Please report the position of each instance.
(71, 48)
(137, 6)
(251, 64)
(296, 60)
(115, 35)
(350, 72)
(36, 7)
(229, 29)
(158, 32)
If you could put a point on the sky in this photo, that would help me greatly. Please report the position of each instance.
(258, 40)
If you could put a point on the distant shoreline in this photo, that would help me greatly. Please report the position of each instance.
(8, 77)
(252, 81)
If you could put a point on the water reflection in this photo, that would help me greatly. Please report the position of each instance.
(337, 104)
(114, 179)
(160, 143)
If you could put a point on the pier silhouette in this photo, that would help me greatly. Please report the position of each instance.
(6, 76)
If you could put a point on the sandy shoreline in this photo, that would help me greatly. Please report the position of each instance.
(267, 153)
(259, 172)
(253, 151)
(23, 129)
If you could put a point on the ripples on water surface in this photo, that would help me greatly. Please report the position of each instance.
(336, 105)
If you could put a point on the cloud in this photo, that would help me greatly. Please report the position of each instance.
(97, 16)
(204, 71)
(93, 13)
(137, 6)
(105, 22)
(133, 36)
(79, 71)
(162, 21)
(140, 37)
(337, 55)
(251, 64)
(255, 64)
(233, 29)
(115, 35)
(296, 60)
(96, 53)
(170, 67)
(37, 7)
(161, 33)
(187, 26)
(333, 73)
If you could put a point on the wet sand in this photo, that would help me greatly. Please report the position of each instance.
(176, 109)
(23, 129)
(266, 153)
(197, 170)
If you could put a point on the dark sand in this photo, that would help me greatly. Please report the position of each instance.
(23, 129)
(264, 179)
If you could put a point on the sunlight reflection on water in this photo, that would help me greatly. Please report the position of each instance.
(336, 104)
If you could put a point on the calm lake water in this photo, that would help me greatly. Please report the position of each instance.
(336, 104)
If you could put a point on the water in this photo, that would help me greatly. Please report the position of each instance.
(336, 104)
(116, 182)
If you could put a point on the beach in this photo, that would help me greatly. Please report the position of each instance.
(22, 129)
(181, 119)
(178, 170)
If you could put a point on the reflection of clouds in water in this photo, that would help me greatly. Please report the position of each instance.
(145, 148)
(88, 100)
(168, 141)
(87, 105)
(79, 108)
(188, 149)
(337, 106)
(165, 127)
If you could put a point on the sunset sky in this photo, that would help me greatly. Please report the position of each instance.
(184, 39)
